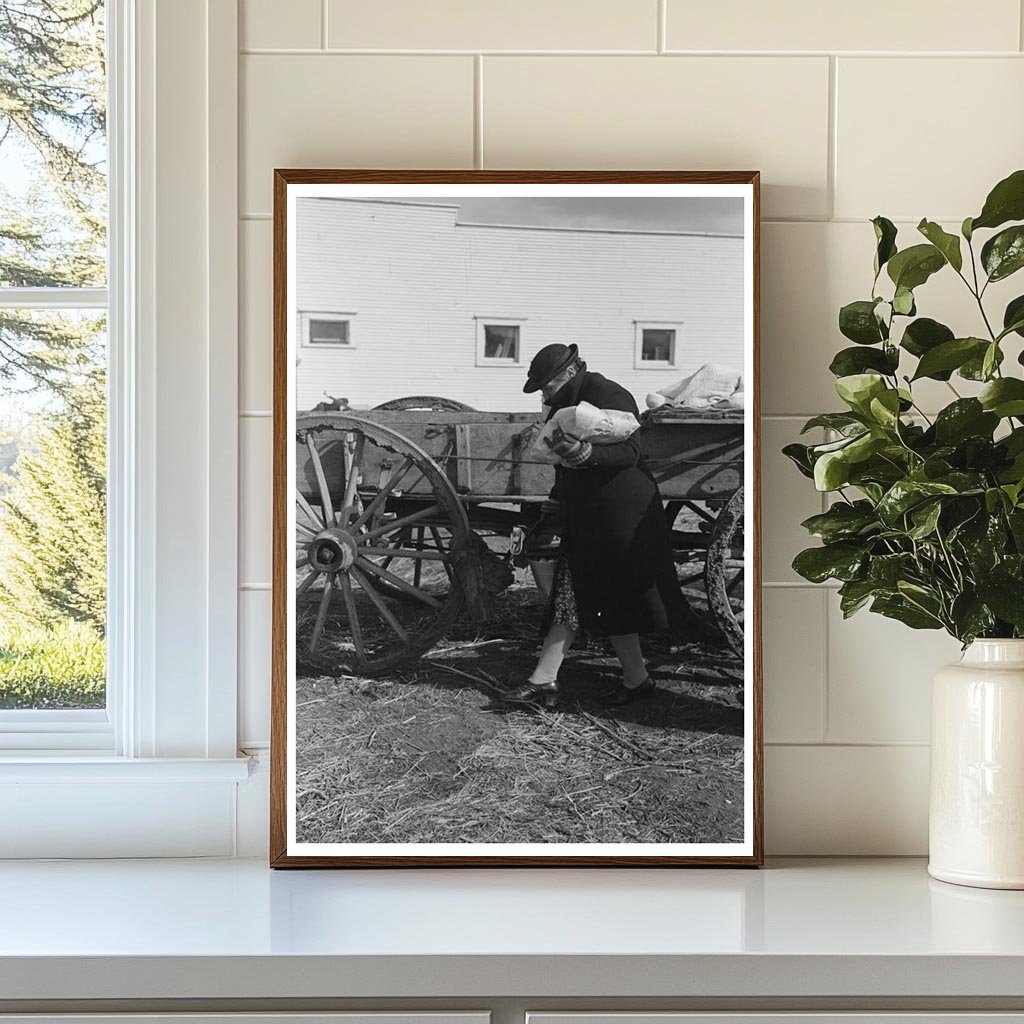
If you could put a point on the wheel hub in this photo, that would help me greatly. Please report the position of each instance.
(332, 550)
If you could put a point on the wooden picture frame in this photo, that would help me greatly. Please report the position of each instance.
(352, 494)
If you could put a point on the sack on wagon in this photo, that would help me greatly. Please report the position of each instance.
(713, 386)
(584, 422)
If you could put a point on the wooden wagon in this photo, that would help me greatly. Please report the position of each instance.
(405, 515)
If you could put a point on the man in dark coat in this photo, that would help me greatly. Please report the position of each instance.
(616, 577)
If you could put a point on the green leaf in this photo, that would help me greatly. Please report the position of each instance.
(912, 267)
(970, 617)
(903, 302)
(1005, 202)
(857, 321)
(1004, 397)
(850, 361)
(990, 360)
(974, 368)
(1013, 317)
(966, 417)
(899, 608)
(925, 518)
(831, 471)
(833, 420)
(885, 237)
(800, 456)
(858, 389)
(906, 494)
(947, 244)
(965, 228)
(885, 409)
(1001, 591)
(840, 561)
(843, 521)
(949, 356)
(923, 335)
(1003, 254)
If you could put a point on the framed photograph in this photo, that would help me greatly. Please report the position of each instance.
(516, 609)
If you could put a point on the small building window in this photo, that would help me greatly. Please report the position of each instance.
(656, 345)
(327, 329)
(499, 341)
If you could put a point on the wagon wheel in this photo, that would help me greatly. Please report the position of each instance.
(711, 524)
(377, 566)
(723, 572)
(430, 403)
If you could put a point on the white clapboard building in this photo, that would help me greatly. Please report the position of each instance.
(398, 298)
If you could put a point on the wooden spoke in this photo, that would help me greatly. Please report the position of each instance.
(436, 534)
(302, 528)
(404, 535)
(382, 495)
(308, 509)
(321, 615)
(353, 463)
(306, 583)
(378, 602)
(417, 572)
(393, 553)
(398, 582)
(321, 480)
(353, 616)
(302, 559)
(415, 517)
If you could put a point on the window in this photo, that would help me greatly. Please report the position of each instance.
(53, 364)
(656, 345)
(498, 341)
(333, 329)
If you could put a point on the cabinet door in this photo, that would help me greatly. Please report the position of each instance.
(359, 1017)
(783, 1017)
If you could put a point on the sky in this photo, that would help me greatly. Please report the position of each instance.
(720, 215)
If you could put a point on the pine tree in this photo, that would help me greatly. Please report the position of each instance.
(53, 521)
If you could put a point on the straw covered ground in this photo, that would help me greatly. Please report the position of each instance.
(431, 755)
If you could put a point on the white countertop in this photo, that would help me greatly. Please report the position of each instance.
(233, 929)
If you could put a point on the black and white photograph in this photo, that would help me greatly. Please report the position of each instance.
(515, 521)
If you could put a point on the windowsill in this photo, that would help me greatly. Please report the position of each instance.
(80, 766)
(822, 928)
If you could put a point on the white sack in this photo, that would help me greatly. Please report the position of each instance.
(584, 422)
(711, 384)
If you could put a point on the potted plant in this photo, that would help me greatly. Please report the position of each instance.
(926, 524)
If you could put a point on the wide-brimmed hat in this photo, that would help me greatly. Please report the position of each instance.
(548, 363)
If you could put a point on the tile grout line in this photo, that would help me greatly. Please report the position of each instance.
(1020, 25)
(257, 51)
(662, 26)
(478, 111)
(323, 24)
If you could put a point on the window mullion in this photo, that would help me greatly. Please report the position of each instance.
(53, 298)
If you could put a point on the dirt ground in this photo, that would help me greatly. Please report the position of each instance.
(430, 754)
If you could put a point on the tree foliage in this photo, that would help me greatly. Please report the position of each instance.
(927, 525)
(52, 124)
(53, 521)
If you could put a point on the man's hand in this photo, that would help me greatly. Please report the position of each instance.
(571, 450)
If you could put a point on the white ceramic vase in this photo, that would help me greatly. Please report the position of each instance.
(976, 814)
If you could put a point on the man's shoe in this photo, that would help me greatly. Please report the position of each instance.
(623, 694)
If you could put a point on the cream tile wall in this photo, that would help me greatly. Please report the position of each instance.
(910, 109)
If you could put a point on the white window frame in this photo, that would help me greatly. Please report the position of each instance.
(173, 441)
(639, 326)
(334, 316)
(482, 323)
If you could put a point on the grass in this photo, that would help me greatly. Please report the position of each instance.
(63, 666)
